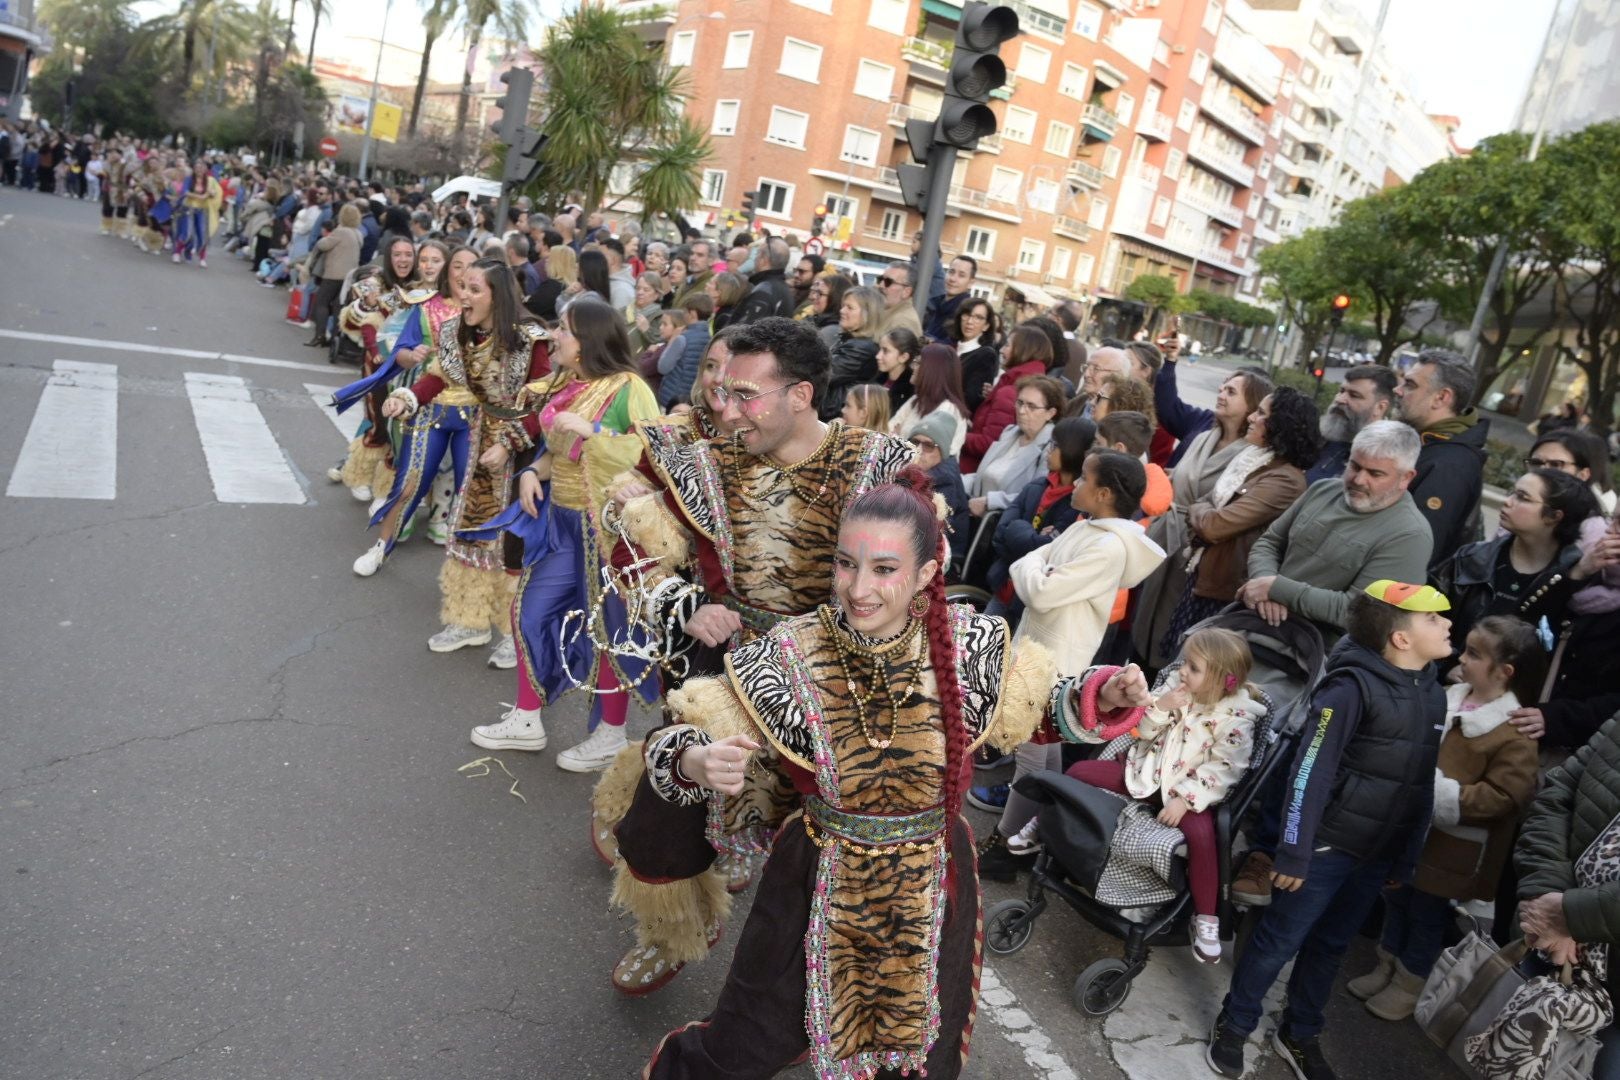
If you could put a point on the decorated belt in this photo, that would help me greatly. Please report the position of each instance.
(501, 413)
(872, 833)
(758, 619)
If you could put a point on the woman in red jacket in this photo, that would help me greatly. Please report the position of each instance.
(1027, 352)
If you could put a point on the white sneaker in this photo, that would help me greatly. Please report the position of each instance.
(334, 473)
(370, 562)
(504, 656)
(452, 638)
(1027, 840)
(202, 263)
(438, 533)
(361, 493)
(177, 257)
(1206, 935)
(376, 505)
(595, 753)
(519, 729)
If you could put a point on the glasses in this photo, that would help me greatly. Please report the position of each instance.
(1520, 497)
(887, 281)
(1544, 463)
(726, 397)
(1036, 406)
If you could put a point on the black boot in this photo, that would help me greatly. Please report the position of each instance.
(996, 863)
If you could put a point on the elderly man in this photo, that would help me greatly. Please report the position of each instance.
(699, 256)
(1434, 398)
(899, 313)
(1100, 364)
(771, 294)
(1367, 394)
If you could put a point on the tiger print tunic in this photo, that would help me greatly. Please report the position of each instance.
(872, 992)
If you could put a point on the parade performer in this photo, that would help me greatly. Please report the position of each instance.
(152, 208)
(862, 943)
(485, 356)
(198, 213)
(740, 537)
(418, 442)
(582, 420)
(115, 195)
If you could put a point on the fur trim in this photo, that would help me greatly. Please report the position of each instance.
(620, 481)
(651, 527)
(617, 788)
(382, 478)
(360, 467)
(468, 596)
(674, 915)
(710, 704)
(1481, 721)
(1447, 799)
(1024, 694)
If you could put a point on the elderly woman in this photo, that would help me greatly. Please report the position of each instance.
(854, 354)
(1019, 455)
(1026, 353)
(643, 314)
(656, 256)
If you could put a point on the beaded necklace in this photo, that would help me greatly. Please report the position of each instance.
(783, 472)
(847, 647)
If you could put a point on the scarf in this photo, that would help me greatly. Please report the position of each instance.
(1248, 460)
(1603, 594)
(1055, 491)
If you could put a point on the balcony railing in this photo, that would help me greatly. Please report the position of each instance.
(928, 52)
(1089, 175)
(1156, 125)
(1073, 228)
(1217, 208)
(1227, 110)
(1222, 161)
(1221, 257)
(1099, 122)
(1147, 174)
(1245, 61)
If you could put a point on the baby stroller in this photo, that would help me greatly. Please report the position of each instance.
(1077, 818)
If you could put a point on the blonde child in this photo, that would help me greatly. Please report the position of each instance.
(1192, 745)
(1485, 777)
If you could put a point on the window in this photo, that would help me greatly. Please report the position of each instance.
(1088, 20)
(1034, 63)
(1059, 138)
(874, 80)
(1199, 68)
(1243, 244)
(1019, 125)
(1124, 107)
(738, 46)
(1212, 17)
(787, 128)
(981, 243)
(1161, 211)
(839, 207)
(1264, 168)
(860, 146)
(889, 15)
(1073, 83)
(775, 199)
(1172, 163)
(1031, 253)
(1005, 184)
(800, 60)
(714, 186)
(1084, 268)
(1097, 213)
(725, 117)
(1043, 195)
(681, 48)
(1187, 114)
(1110, 160)
(1060, 261)
(894, 221)
(823, 6)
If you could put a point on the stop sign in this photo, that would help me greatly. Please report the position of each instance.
(329, 147)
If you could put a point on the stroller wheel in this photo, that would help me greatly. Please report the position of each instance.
(1008, 926)
(1102, 987)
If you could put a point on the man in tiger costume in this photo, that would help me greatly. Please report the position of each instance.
(738, 535)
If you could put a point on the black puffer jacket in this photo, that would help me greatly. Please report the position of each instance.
(1447, 487)
(854, 361)
(1468, 579)
(770, 295)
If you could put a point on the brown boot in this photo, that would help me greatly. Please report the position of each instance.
(1375, 980)
(1253, 883)
(1398, 1000)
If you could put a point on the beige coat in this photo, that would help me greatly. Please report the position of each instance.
(1195, 754)
(1068, 586)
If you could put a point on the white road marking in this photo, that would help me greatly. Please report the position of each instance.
(1000, 1004)
(163, 350)
(346, 422)
(71, 450)
(244, 459)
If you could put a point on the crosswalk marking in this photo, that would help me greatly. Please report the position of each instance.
(71, 450)
(244, 459)
(348, 422)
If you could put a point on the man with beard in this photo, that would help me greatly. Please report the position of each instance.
(743, 532)
(1434, 397)
(1367, 394)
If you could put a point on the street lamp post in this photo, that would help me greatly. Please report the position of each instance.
(371, 110)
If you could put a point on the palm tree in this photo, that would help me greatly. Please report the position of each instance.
(511, 20)
(440, 14)
(227, 25)
(319, 7)
(292, 17)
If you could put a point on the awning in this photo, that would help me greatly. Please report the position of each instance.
(1033, 294)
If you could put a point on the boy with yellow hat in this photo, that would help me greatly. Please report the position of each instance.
(1359, 796)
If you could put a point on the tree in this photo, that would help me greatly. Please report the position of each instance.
(1297, 276)
(1383, 254)
(1584, 239)
(440, 14)
(115, 81)
(1157, 291)
(609, 98)
(510, 18)
(317, 9)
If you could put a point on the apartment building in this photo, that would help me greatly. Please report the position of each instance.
(1133, 138)
(22, 41)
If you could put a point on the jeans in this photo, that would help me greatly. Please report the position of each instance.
(1415, 928)
(1313, 927)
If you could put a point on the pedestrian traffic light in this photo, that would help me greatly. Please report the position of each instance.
(819, 222)
(975, 71)
(748, 206)
(1341, 304)
(514, 104)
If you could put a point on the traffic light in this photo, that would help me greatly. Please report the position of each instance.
(1318, 371)
(523, 158)
(819, 222)
(748, 206)
(976, 71)
(1341, 304)
(514, 104)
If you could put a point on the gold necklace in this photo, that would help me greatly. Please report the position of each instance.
(783, 472)
(846, 647)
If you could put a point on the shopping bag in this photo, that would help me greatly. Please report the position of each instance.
(298, 303)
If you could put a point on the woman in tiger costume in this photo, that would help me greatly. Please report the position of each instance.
(861, 943)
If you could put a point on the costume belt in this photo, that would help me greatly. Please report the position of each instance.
(502, 413)
(758, 619)
(873, 833)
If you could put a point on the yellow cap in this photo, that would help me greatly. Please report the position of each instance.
(1408, 597)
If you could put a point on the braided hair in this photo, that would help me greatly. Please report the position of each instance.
(909, 500)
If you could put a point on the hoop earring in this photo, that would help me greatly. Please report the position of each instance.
(919, 605)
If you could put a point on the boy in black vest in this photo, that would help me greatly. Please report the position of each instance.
(1359, 796)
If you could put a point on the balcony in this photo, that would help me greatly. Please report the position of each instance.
(922, 51)
(1073, 228)
(1230, 113)
(1222, 161)
(1220, 210)
(1087, 175)
(1144, 173)
(1098, 123)
(1156, 126)
(1246, 61)
(1032, 20)
(1219, 256)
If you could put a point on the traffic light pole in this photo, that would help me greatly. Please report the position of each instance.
(941, 167)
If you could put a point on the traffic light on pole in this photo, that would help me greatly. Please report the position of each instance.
(748, 206)
(1341, 304)
(523, 157)
(819, 222)
(975, 72)
(514, 104)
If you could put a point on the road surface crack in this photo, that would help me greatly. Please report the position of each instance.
(300, 649)
(188, 1053)
(92, 526)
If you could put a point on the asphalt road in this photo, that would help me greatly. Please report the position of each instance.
(235, 840)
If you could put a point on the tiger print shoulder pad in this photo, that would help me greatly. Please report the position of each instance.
(983, 651)
(688, 469)
(769, 675)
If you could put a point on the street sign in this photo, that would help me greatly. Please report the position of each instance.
(815, 246)
(329, 147)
